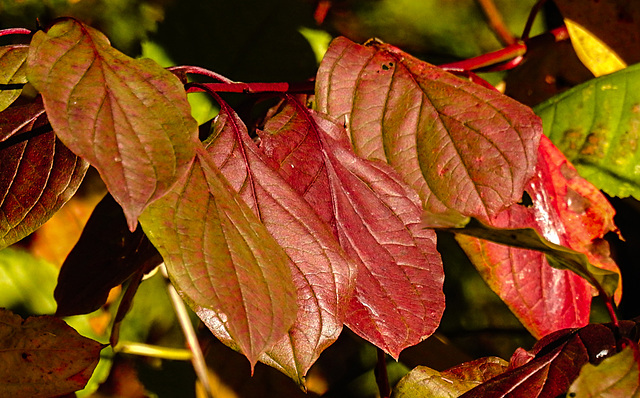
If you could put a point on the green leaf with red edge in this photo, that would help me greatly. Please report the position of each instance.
(43, 357)
(106, 255)
(467, 150)
(426, 382)
(555, 362)
(616, 376)
(222, 260)
(12, 71)
(37, 175)
(398, 300)
(323, 274)
(566, 210)
(129, 118)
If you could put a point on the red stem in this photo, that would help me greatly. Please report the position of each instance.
(15, 31)
(382, 377)
(252, 88)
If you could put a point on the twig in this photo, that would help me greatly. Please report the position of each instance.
(382, 377)
(532, 17)
(252, 88)
(496, 22)
(14, 31)
(197, 358)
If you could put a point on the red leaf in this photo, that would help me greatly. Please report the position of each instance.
(556, 362)
(106, 255)
(322, 272)
(222, 260)
(546, 299)
(398, 300)
(37, 175)
(129, 118)
(467, 150)
(43, 357)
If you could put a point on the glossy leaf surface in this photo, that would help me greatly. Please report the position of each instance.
(37, 177)
(129, 118)
(426, 382)
(554, 362)
(43, 357)
(466, 149)
(323, 274)
(616, 376)
(597, 126)
(13, 71)
(565, 211)
(222, 260)
(398, 300)
(106, 255)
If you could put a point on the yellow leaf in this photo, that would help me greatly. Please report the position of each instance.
(599, 58)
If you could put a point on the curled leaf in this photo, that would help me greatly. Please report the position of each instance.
(13, 72)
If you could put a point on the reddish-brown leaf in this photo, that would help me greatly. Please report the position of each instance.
(555, 362)
(129, 118)
(43, 357)
(106, 255)
(467, 150)
(398, 300)
(222, 259)
(323, 274)
(566, 210)
(37, 175)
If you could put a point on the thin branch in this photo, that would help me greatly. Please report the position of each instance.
(382, 377)
(14, 31)
(196, 70)
(532, 17)
(197, 358)
(252, 88)
(496, 22)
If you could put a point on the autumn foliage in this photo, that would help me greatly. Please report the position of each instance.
(325, 214)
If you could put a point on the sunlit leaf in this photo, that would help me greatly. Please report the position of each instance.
(37, 177)
(43, 357)
(13, 71)
(594, 54)
(398, 300)
(129, 118)
(16, 119)
(554, 362)
(222, 260)
(106, 254)
(322, 272)
(426, 382)
(466, 149)
(597, 126)
(616, 376)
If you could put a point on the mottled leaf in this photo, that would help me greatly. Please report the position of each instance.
(222, 260)
(554, 362)
(129, 118)
(43, 357)
(616, 376)
(37, 176)
(597, 126)
(398, 300)
(594, 54)
(426, 382)
(466, 149)
(566, 211)
(106, 255)
(12, 72)
(322, 273)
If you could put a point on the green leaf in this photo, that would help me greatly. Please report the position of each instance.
(222, 260)
(129, 118)
(616, 376)
(558, 256)
(26, 283)
(43, 357)
(597, 126)
(12, 71)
